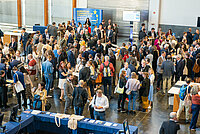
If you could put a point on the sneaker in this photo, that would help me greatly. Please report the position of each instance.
(123, 111)
(187, 121)
(118, 109)
(49, 96)
(127, 100)
(149, 107)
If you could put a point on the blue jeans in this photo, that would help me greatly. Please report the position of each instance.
(49, 81)
(78, 110)
(107, 81)
(195, 114)
(100, 115)
(133, 96)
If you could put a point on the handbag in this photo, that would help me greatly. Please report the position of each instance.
(187, 100)
(18, 86)
(47, 106)
(60, 116)
(118, 89)
(196, 68)
(185, 70)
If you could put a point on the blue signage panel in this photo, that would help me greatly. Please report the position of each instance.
(95, 16)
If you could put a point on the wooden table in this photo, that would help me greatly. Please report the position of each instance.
(175, 90)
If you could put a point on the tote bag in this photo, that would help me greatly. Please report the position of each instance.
(18, 86)
(119, 90)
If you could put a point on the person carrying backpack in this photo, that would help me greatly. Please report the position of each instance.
(183, 95)
(80, 97)
(107, 71)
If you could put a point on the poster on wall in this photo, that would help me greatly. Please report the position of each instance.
(131, 16)
(81, 14)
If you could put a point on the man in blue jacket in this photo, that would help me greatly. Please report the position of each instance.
(196, 35)
(71, 57)
(18, 76)
(47, 69)
(24, 39)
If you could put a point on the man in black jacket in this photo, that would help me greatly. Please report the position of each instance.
(170, 127)
(189, 36)
(80, 97)
(179, 67)
(13, 44)
(84, 73)
(152, 33)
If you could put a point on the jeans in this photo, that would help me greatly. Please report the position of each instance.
(49, 81)
(133, 96)
(181, 106)
(68, 103)
(159, 80)
(78, 110)
(19, 98)
(107, 81)
(195, 114)
(167, 80)
(121, 100)
(100, 115)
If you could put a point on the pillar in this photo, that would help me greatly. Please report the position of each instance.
(19, 13)
(73, 6)
(45, 12)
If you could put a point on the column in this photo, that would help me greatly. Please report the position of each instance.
(19, 13)
(154, 14)
(73, 6)
(45, 12)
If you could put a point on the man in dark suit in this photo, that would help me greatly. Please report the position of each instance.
(170, 127)
(24, 39)
(196, 35)
(142, 34)
(84, 73)
(14, 62)
(81, 35)
(179, 67)
(45, 36)
(13, 44)
(53, 30)
(152, 33)
(68, 90)
(71, 38)
(109, 33)
(189, 36)
(70, 57)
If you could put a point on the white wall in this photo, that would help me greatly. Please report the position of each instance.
(179, 12)
(81, 3)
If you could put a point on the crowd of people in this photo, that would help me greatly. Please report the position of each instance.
(90, 68)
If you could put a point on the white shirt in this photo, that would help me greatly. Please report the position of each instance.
(100, 101)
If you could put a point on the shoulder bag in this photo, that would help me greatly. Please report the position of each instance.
(18, 86)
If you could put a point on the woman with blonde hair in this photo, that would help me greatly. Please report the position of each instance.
(151, 77)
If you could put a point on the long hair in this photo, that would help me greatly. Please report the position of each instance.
(122, 75)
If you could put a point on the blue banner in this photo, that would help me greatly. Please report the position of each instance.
(95, 16)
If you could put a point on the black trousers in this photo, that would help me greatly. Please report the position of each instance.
(3, 96)
(22, 93)
(121, 100)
